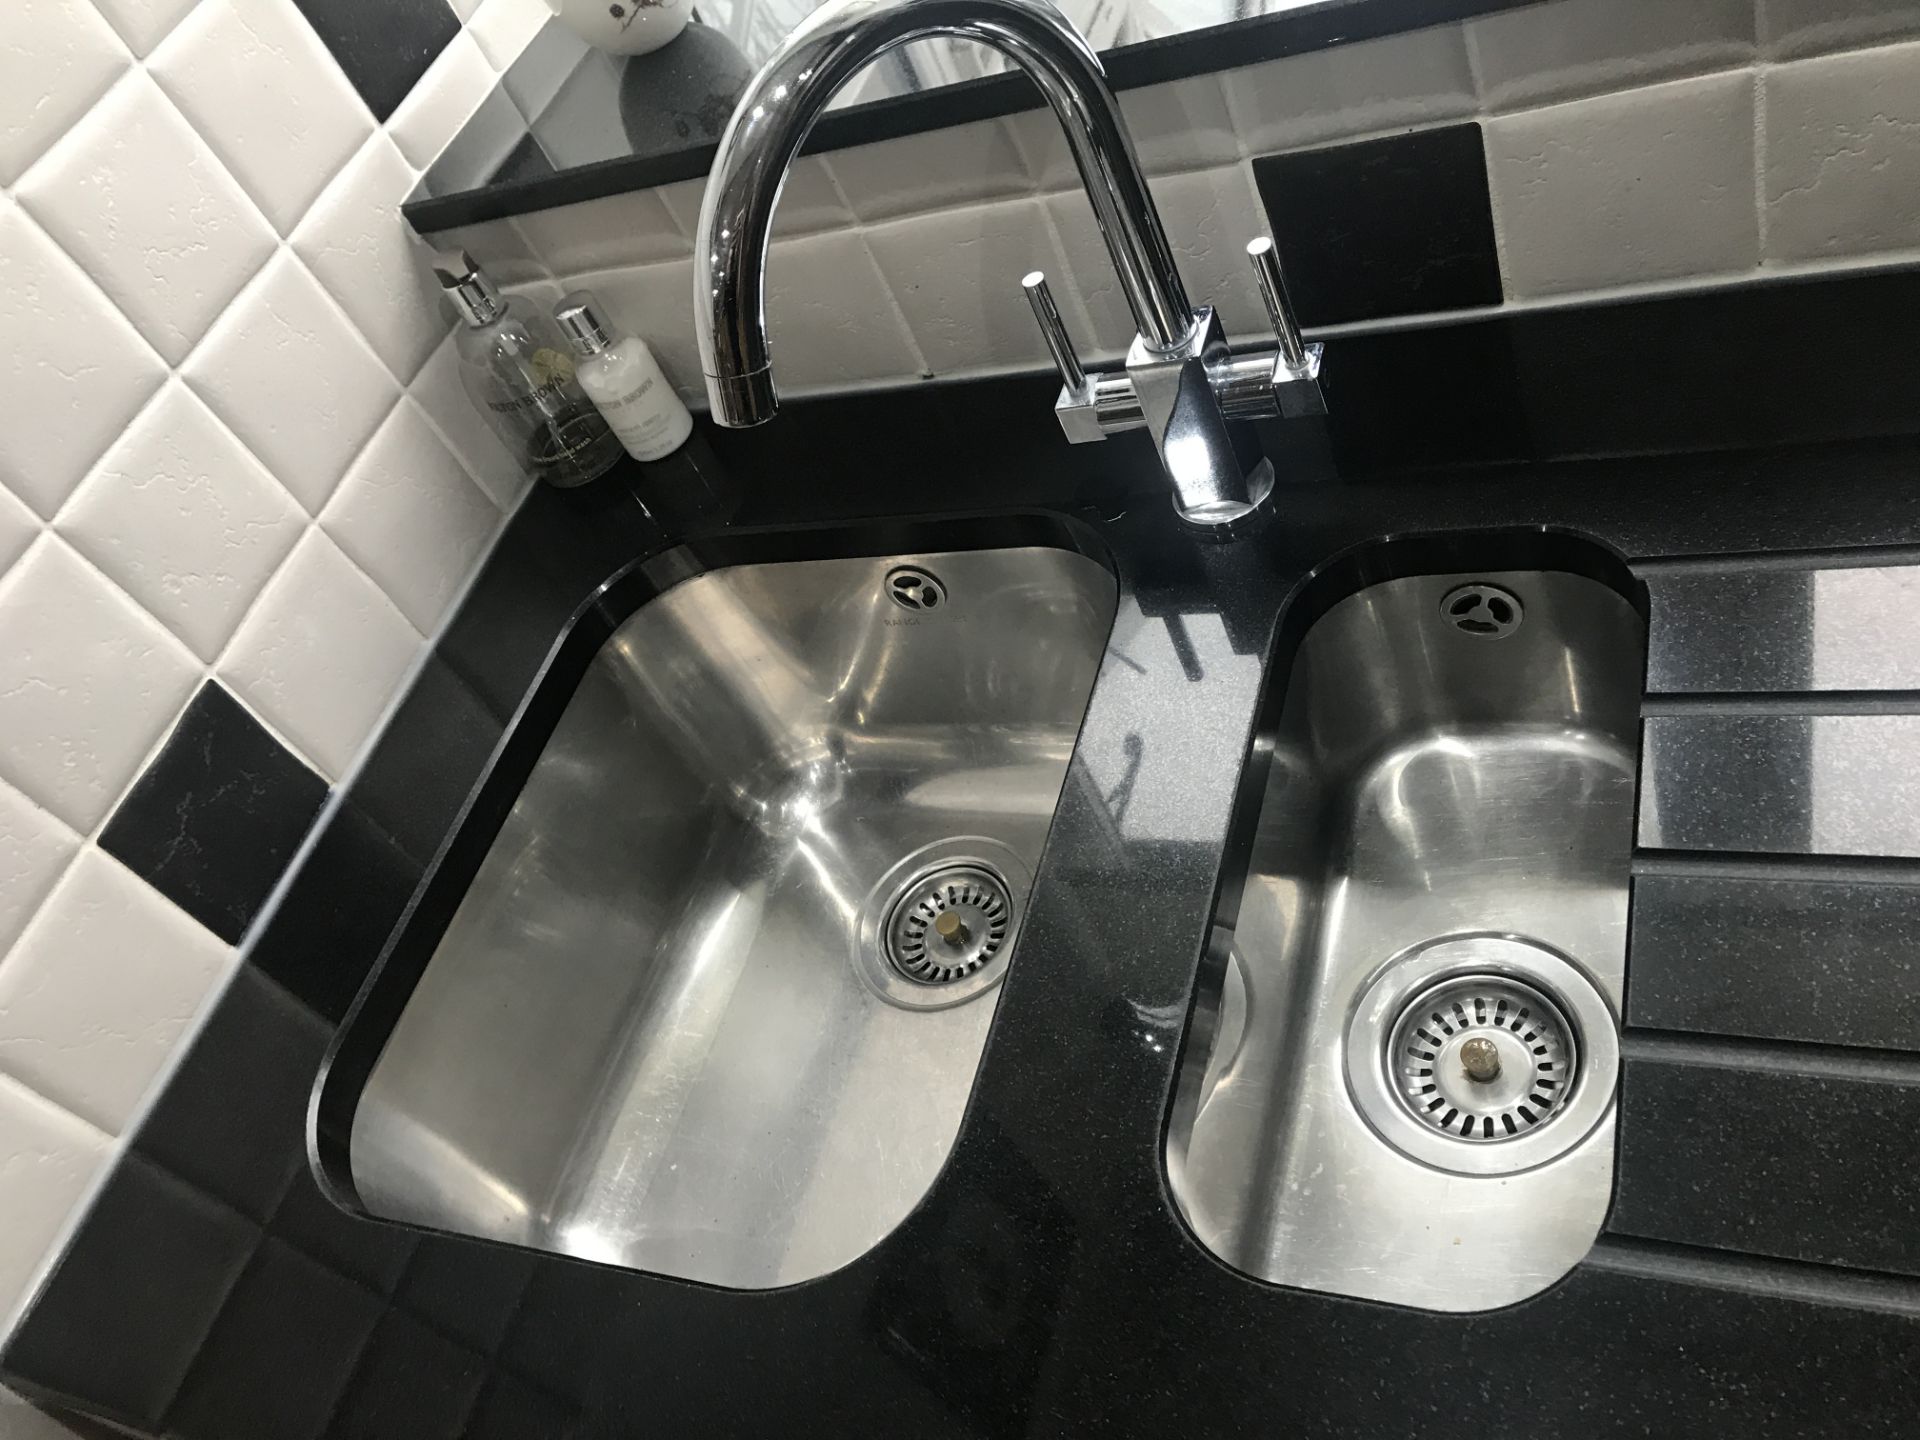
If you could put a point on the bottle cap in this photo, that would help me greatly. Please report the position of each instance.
(473, 294)
(582, 322)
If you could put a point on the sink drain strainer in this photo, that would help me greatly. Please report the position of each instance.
(939, 927)
(1483, 1057)
(1482, 1054)
(948, 924)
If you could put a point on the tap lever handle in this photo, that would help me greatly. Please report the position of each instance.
(1273, 290)
(1072, 374)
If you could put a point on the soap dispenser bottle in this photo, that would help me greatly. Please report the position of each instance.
(624, 381)
(518, 370)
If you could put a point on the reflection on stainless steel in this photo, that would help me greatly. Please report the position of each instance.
(1178, 368)
(648, 1036)
(1440, 804)
(1771, 629)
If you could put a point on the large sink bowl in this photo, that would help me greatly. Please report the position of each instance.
(1398, 1082)
(717, 949)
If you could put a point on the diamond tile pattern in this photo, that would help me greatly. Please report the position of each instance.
(182, 517)
(56, 59)
(137, 197)
(71, 361)
(287, 370)
(254, 81)
(210, 304)
(88, 682)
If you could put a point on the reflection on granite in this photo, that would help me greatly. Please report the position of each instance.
(564, 105)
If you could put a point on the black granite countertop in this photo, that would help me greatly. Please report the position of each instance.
(1760, 1272)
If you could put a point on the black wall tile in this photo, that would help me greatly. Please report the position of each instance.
(383, 45)
(279, 1356)
(233, 1118)
(1814, 1167)
(217, 815)
(1397, 226)
(511, 1409)
(337, 912)
(467, 1291)
(119, 1323)
(429, 759)
(1822, 961)
(411, 1382)
(369, 1251)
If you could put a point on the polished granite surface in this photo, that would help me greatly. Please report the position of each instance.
(567, 122)
(1758, 1272)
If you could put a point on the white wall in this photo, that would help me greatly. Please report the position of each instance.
(1631, 145)
(232, 445)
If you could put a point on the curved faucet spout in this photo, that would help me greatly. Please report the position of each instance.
(787, 96)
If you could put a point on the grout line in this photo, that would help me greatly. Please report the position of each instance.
(1811, 704)
(1770, 868)
(1761, 1277)
(1859, 1065)
(1860, 557)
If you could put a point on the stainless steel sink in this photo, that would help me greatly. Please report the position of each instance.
(1399, 1077)
(713, 1001)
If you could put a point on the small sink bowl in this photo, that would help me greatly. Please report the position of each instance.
(702, 983)
(1398, 1078)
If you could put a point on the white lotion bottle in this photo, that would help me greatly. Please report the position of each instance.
(624, 381)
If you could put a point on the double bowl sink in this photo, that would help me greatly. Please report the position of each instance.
(701, 982)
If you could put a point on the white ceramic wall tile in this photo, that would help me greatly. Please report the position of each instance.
(48, 1160)
(56, 58)
(321, 654)
(1579, 47)
(134, 232)
(441, 396)
(960, 165)
(135, 196)
(499, 248)
(451, 90)
(75, 371)
(830, 320)
(257, 83)
(1840, 154)
(143, 24)
(1421, 77)
(183, 518)
(631, 229)
(1809, 27)
(94, 995)
(411, 516)
(18, 526)
(1181, 125)
(34, 850)
(810, 201)
(503, 28)
(655, 302)
(88, 682)
(291, 377)
(1620, 189)
(361, 249)
(956, 277)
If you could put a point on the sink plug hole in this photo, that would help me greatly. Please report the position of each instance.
(948, 924)
(1479, 609)
(1483, 1058)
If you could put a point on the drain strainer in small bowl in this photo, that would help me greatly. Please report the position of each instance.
(1482, 1054)
(1483, 1057)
